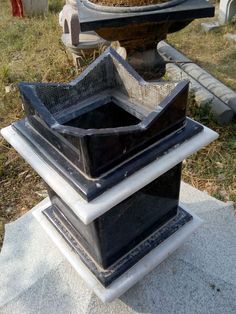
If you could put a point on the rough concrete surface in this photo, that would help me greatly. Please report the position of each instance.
(198, 278)
(230, 37)
(208, 27)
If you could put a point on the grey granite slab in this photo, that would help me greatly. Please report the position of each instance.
(26, 256)
(174, 287)
(198, 278)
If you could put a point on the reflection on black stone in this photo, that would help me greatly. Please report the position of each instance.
(106, 116)
(120, 229)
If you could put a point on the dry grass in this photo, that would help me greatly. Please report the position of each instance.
(214, 168)
(30, 50)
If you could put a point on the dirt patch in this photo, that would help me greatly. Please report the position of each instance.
(127, 3)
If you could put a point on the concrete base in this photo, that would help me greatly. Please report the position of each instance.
(198, 278)
(90, 44)
(208, 27)
(230, 37)
(35, 8)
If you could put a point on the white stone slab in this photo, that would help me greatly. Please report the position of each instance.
(132, 276)
(89, 211)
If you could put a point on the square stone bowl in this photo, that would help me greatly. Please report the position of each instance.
(106, 116)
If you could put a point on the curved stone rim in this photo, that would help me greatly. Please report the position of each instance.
(146, 8)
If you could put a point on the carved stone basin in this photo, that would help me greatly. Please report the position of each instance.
(106, 118)
(125, 23)
(140, 28)
(107, 115)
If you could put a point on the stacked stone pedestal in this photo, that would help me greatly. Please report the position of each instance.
(110, 148)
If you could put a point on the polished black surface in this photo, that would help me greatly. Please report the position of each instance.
(188, 10)
(88, 188)
(119, 230)
(109, 115)
(106, 116)
(107, 276)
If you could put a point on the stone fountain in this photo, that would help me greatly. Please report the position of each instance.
(137, 25)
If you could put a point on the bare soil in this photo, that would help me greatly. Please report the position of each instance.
(127, 3)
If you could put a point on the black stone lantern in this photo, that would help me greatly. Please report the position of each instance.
(98, 132)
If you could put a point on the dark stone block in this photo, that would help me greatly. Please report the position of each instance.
(108, 275)
(139, 29)
(108, 115)
(88, 188)
(96, 131)
(120, 229)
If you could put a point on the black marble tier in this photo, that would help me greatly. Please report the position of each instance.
(154, 236)
(117, 231)
(89, 188)
(106, 117)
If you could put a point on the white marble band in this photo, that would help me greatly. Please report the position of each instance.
(134, 274)
(89, 211)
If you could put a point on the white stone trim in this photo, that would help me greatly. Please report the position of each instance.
(89, 211)
(134, 274)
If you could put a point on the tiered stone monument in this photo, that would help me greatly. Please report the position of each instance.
(110, 147)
